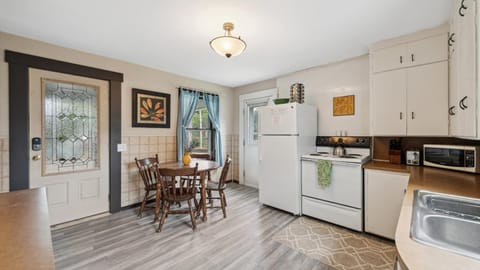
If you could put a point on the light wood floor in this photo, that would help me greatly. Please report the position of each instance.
(241, 241)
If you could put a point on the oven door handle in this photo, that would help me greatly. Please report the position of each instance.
(348, 164)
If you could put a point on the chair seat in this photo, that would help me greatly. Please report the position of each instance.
(179, 198)
(211, 185)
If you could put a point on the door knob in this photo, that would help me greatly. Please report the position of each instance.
(36, 157)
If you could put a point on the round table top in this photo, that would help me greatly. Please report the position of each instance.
(203, 165)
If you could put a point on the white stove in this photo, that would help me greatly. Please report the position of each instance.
(341, 202)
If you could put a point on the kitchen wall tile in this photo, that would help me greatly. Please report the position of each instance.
(4, 165)
(171, 139)
(133, 149)
(134, 140)
(162, 139)
(144, 139)
(152, 140)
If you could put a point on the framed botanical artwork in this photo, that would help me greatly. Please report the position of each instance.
(344, 105)
(150, 109)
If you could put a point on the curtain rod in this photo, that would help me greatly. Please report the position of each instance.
(198, 90)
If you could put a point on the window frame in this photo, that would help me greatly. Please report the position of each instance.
(211, 149)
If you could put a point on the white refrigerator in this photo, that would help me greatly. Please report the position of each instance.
(287, 132)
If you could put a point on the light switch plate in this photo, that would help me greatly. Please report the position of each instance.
(122, 147)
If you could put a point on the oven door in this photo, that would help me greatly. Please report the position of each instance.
(346, 186)
(450, 157)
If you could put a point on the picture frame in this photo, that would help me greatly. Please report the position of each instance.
(344, 105)
(150, 109)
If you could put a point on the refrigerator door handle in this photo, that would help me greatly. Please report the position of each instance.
(259, 148)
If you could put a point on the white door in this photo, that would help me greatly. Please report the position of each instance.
(390, 58)
(69, 114)
(389, 103)
(251, 164)
(248, 133)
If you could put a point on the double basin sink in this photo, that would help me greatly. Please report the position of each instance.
(446, 221)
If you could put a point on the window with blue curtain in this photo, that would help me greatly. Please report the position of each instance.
(198, 128)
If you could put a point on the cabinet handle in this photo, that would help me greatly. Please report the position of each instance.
(451, 39)
(461, 104)
(401, 59)
(413, 115)
(401, 115)
(450, 110)
(462, 8)
(413, 57)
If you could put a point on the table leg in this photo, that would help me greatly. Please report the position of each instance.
(157, 202)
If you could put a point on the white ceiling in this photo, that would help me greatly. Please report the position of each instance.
(282, 36)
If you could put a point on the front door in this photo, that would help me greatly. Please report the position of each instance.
(69, 147)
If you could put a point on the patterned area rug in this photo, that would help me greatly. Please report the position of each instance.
(336, 246)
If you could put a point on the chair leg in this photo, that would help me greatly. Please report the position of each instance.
(210, 201)
(140, 211)
(224, 198)
(222, 202)
(192, 217)
(166, 208)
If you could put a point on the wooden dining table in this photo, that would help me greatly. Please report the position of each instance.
(204, 166)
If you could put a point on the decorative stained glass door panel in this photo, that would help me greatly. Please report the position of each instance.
(70, 127)
(68, 115)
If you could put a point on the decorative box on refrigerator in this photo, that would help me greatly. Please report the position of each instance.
(287, 132)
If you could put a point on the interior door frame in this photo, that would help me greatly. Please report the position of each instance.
(19, 114)
(273, 92)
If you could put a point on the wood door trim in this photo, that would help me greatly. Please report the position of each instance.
(19, 137)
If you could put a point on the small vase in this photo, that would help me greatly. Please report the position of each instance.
(186, 158)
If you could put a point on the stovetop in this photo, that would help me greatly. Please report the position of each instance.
(352, 158)
(357, 149)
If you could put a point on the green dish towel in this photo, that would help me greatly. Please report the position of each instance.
(324, 170)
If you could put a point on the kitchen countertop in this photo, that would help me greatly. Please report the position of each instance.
(416, 255)
(25, 238)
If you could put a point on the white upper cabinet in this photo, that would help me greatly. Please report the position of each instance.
(410, 97)
(463, 70)
(390, 58)
(427, 100)
(426, 50)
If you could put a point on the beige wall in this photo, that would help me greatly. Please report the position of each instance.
(135, 76)
(349, 77)
(160, 141)
(249, 88)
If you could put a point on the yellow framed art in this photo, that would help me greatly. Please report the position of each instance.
(344, 105)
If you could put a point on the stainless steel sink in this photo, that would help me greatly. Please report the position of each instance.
(446, 221)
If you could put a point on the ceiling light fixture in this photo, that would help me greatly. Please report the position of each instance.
(228, 45)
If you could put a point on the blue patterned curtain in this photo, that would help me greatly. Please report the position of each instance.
(187, 102)
(212, 102)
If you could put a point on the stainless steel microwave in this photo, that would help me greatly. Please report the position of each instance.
(453, 157)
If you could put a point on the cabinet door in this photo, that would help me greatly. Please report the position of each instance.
(452, 75)
(466, 73)
(389, 58)
(384, 192)
(428, 50)
(388, 103)
(427, 100)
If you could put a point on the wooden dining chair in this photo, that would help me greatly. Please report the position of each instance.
(149, 177)
(178, 185)
(219, 187)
